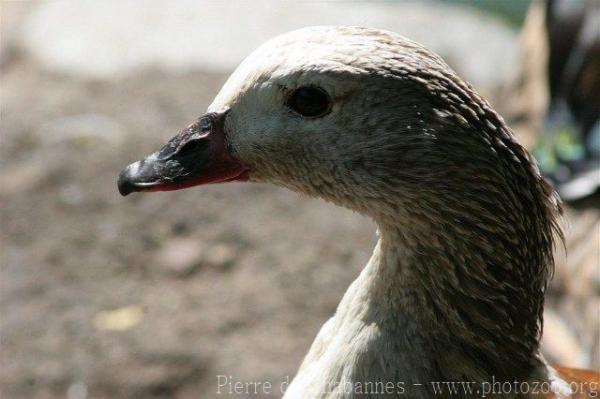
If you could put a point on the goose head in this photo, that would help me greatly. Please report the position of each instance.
(361, 117)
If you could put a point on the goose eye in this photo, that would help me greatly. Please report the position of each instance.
(309, 101)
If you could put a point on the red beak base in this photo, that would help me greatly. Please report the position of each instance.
(197, 155)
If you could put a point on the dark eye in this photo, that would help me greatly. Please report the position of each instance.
(309, 101)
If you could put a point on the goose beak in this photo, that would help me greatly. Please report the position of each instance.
(197, 155)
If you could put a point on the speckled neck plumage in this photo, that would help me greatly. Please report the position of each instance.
(463, 272)
(477, 257)
(446, 308)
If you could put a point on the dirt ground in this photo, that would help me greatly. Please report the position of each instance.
(158, 295)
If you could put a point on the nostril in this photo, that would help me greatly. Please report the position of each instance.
(191, 147)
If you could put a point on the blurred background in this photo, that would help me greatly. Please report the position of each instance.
(156, 295)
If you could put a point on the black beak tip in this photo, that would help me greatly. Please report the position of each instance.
(126, 186)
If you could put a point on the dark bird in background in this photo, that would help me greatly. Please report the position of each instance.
(568, 148)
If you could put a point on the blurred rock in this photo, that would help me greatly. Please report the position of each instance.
(221, 256)
(120, 319)
(184, 256)
(77, 390)
(106, 38)
(71, 195)
(180, 256)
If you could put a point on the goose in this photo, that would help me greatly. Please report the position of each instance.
(371, 121)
